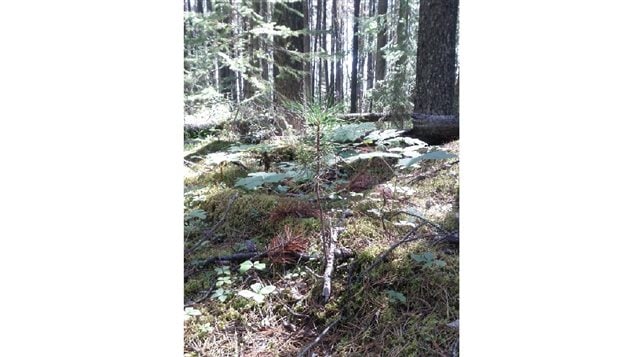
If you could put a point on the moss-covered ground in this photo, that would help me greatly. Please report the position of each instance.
(401, 307)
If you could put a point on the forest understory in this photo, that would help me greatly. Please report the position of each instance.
(319, 238)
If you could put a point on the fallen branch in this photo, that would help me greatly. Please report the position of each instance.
(451, 238)
(329, 256)
(342, 315)
(423, 220)
(320, 336)
(383, 256)
(364, 117)
(349, 290)
(338, 253)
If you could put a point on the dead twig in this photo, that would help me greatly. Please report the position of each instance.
(405, 239)
(338, 253)
(425, 221)
(329, 256)
(319, 337)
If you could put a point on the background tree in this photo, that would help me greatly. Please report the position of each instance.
(288, 60)
(380, 71)
(355, 55)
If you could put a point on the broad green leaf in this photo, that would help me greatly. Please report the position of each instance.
(256, 287)
(196, 213)
(257, 179)
(190, 311)
(426, 257)
(244, 266)
(351, 132)
(223, 280)
(371, 155)
(216, 158)
(220, 294)
(259, 266)
(267, 290)
(379, 135)
(222, 270)
(433, 155)
(252, 295)
(413, 141)
(395, 295)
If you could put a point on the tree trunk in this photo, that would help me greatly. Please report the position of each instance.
(436, 71)
(306, 41)
(370, 66)
(236, 32)
(317, 47)
(253, 44)
(339, 67)
(225, 74)
(398, 90)
(289, 84)
(435, 129)
(380, 70)
(325, 63)
(355, 55)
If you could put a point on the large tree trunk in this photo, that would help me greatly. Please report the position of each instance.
(288, 84)
(436, 72)
(355, 55)
(370, 67)
(317, 43)
(324, 46)
(398, 90)
(339, 67)
(306, 42)
(382, 39)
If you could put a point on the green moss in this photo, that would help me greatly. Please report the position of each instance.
(224, 175)
(214, 146)
(451, 220)
(197, 283)
(248, 217)
(363, 232)
(306, 225)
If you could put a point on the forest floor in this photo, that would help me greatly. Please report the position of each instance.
(254, 252)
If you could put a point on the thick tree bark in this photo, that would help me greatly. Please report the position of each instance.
(370, 66)
(355, 56)
(226, 77)
(435, 129)
(325, 62)
(288, 84)
(316, 45)
(399, 108)
(380, 71)
(339, 67)
(436, 70)
(306, 41)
